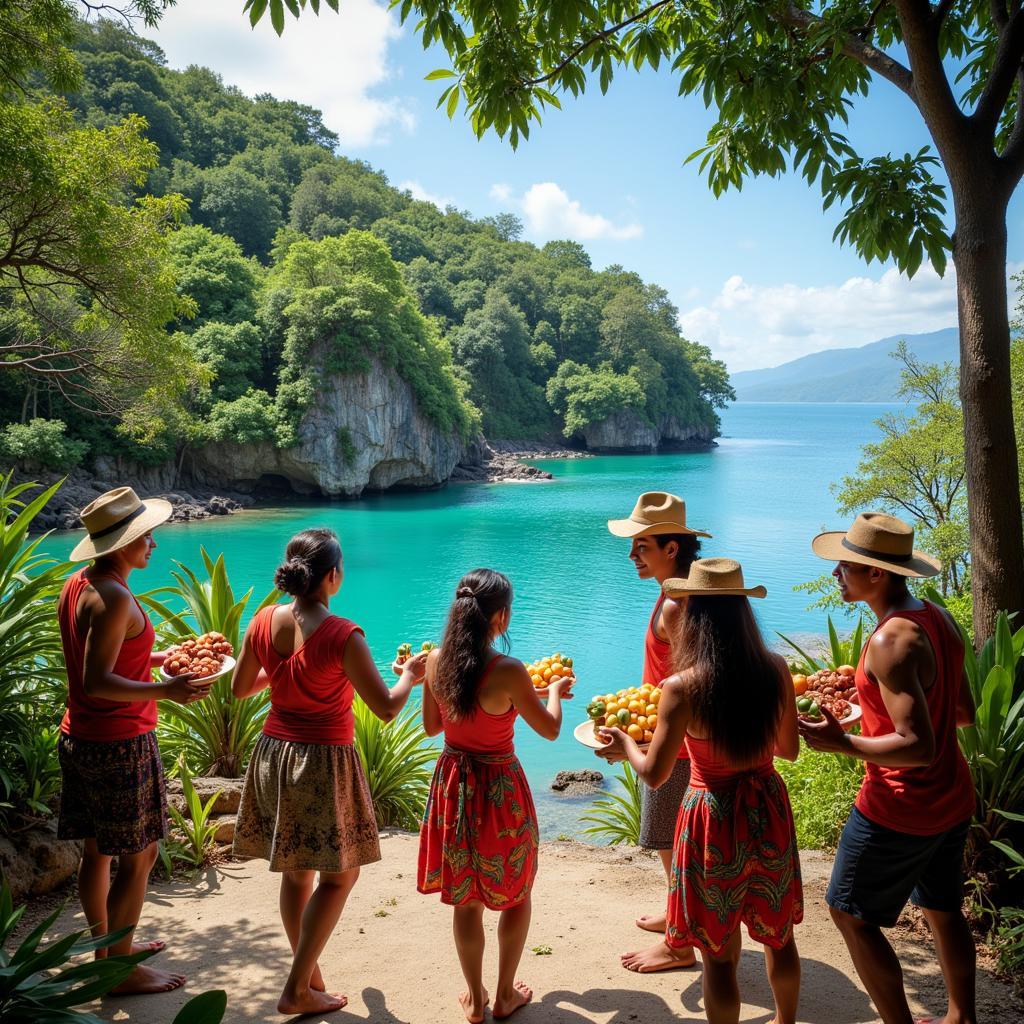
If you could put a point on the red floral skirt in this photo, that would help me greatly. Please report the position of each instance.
(735, 861)
(479, 838)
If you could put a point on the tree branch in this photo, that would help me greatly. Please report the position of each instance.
(940, 11)
(854, 47)
(596, 38)
(1005, 68)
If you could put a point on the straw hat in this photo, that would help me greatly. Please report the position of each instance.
(117, 518)
(655, 512)
(879, 540)
(710, 577)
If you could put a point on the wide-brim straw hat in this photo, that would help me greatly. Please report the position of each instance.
(713, 577)
(117, 518)
(878, 540)
(655, 512)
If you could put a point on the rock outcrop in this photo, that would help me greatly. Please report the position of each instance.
(35, 861)
(583, 782)
(628, 432)
(364, 431)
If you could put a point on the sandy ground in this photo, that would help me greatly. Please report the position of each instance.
(393, 956)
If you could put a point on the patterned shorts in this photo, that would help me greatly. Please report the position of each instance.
(659, 808)
(112, 791)
(306, 807)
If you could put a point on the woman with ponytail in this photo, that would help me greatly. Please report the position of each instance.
(478, 842)
(735, 860)
(306, 806)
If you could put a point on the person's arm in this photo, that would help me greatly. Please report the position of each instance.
(360, 668)
(671, 617)
(787, 740)
(655, 766)
(432, 724)
(894, 659)
(249, 677)
(108, 626)
(543, 719)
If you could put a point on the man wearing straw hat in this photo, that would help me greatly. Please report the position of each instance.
(112, 787)
(905, 836)
(662, 546)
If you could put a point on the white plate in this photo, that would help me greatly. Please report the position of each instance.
(850, 720)
(584, 732)
(226, 666)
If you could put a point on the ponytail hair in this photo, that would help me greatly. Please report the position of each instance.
(478, 596)
(309, 557)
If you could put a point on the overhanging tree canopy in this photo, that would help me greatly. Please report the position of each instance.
(782, 77)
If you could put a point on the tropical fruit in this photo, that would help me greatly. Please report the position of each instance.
(544, 671)
(201, 656)
(405, 651)
(834, 689)
(634, 710)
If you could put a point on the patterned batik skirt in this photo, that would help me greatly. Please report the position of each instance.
(479, 838)
(735, 861)
(306, 807)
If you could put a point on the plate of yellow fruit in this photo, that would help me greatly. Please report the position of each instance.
(634, 710)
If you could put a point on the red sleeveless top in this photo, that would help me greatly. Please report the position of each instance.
(310, 694)
(96, 718)
(658, 659)
(481, 732)
(708, 770)
(920, 801)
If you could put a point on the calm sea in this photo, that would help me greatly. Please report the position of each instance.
(763, 493)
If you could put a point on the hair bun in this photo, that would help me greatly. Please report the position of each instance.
(294, 577)
(464, 592)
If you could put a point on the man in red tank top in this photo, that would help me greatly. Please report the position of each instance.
(905, 837)
(662, 547)
(112, 785)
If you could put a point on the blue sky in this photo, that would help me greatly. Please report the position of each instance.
(755, 274)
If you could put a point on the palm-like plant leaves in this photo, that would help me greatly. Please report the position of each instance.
(616, 816)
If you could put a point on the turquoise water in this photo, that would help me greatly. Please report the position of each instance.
(763, 493)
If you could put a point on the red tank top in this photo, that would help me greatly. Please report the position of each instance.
(658, 659)
(481, 732)
(310, 694)
(708, 770)
(920, 801)
(96, 718)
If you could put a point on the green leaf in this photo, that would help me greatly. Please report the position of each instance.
(439, 73)
(277, 15)
(207, 1008)
(256, 11)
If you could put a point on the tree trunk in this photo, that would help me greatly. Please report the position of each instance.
(993, 492)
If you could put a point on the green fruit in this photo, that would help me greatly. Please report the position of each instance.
(803, 704)
(567, 662)
(623, 716)
(814, 711)
(427, 646)
(596, 709)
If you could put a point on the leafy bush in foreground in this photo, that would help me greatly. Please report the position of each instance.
(822, 788)
(615, 817)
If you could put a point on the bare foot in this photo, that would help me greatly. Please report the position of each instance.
(652, 922)
(147, 979)
(659, 957)
(310, 1001)
(473, 1008)
(521, 995)
(156, 946)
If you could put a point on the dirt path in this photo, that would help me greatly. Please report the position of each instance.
(392, 952)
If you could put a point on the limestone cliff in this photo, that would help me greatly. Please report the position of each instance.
(627, 431)
(364, 431)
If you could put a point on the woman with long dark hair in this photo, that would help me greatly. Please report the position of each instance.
(735, 859)
(306, 806)
(478, 841)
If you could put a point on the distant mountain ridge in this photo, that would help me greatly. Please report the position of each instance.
(865, 374)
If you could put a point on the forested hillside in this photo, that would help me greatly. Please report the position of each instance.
(287, 255)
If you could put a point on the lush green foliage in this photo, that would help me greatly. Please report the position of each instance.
(194, 824)
(822, 788)
(31, 661)
(213, 736)
(615, 817)
(40, 444)
(837, 652)
(398, 760)
(40, 985)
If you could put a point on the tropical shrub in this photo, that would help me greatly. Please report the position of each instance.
(838, 652)
(615, 817)
(39, 985)
(213, 736)
(822, 788)
(32, 675)
(398, 760)
(41, 444)
(194, 824)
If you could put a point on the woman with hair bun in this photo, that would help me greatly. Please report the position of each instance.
(478, 841)
(306, 807)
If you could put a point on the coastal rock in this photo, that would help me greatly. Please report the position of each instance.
(627, 431)
(227, 802)
(36, 861)
(364, 431)
(578, 783)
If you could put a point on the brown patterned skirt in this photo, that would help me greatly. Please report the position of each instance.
(306, 807)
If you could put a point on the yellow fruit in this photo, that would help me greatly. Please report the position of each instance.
(546, 675)
(635, 732)
(641, 720)
(611, 707)
(650, 710)
(648, 736)
(652, 722)
(610, 720)
(656, 697)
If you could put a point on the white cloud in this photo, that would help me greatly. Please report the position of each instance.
(335, 62)
(550, 213)
(417, 191)
(751, 326)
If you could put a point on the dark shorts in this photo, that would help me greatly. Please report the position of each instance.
(659, 808)
(877, 870)
(112, 791)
